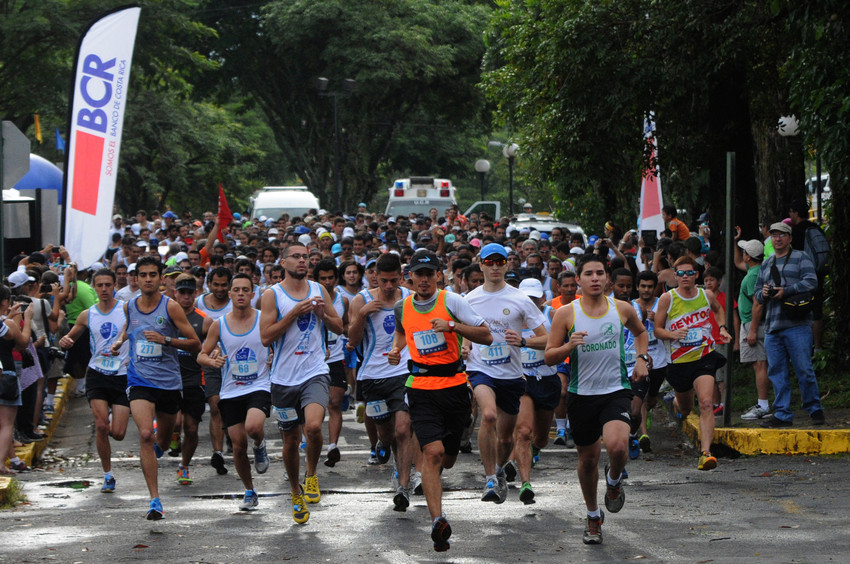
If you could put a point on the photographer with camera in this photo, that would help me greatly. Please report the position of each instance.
(14, 335)
(784, 289)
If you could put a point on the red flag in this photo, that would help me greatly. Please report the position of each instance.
(224, 215)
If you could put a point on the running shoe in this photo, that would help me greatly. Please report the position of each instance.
(718, 410)
(503, 487)
(774, 422)
(615, 497)
(217, 462)
(48, 409)
(510, 470)
(570, 442)
(311, 489)
(624, 475)
(416, 483)
(706, 462)
(19, 466)
(361, 411)
(176, 445)
(466, 447)
(593, 529)
(303, 445)
(526, 494)
(818, 418)
(300, 513)
(346, 402)
(155, 512)
(401, 501)
(634, 447)
(183, 476)
(158, 450)
(645, 443)
(755, 413)
(561, 437)
(250, 502)
(668, 401)
(395, 477)
(382, 453)
(261, 458)
(440, 533)
(373, 459)
(108, 484)
(535, 456)
(490, 491)
(333, 457)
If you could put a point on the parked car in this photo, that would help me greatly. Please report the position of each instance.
(544, 223)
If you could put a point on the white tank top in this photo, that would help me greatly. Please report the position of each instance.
(377, 342)
(598, 366)
(200, 303)
(299, 354)
(246, 368)
(104, 328)
(336, 343)
(533, 364)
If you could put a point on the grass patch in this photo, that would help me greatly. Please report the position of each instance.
(14, 495)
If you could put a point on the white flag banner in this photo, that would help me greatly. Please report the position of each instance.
(651, 200)
(101, 80)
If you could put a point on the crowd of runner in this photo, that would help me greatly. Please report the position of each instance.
(426, 326)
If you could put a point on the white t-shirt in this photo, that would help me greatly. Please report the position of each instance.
(506, 309)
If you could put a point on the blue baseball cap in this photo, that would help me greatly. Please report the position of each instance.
(169, 215)
(336, 249)
(592, 239)
(237, 216)
(493, 249)
(301, 230)
(361, 205)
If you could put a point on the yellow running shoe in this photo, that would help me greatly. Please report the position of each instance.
(707, 462)
(300, 513)
(311, 489)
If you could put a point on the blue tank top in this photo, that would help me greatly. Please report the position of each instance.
(151, 364)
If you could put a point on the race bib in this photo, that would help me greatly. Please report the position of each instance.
(653, 340)
(429, 341)
(531, 358)
(286, 414)
(145, 350)
(332, 338)
(245, 371)
(631, 357)
(497, 353)
(377, 408)
(693, 338)
(107, 364)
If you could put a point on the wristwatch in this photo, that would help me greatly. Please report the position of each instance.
(522, 342)
(645, 358)
(451, 325)
(168, 341)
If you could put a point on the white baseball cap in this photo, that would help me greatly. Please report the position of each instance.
(532, 287)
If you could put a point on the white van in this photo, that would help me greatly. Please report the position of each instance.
(273, 201)
(418, 194)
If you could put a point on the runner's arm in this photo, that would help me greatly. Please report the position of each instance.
(68, 340)
(210, 343)
(558, 347)
(190, 341)
(330, 317)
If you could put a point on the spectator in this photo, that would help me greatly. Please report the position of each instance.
(809, 237)
(678, 229)
(751, 333)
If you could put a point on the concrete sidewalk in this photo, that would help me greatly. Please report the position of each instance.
(750, 438)
(31, 452)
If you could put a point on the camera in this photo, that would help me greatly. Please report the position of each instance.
(56, 352)
(21, 300)
(771, 292)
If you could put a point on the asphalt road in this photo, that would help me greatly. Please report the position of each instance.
(774, 509)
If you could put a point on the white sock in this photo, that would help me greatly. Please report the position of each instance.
(50, 399)
(595, 513)
(764, 405)
(331, 446)
(561, 424)
(613, 482)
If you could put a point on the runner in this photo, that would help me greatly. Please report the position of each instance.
(430, 324)
(245, 397)
(215, 304)
(590, 332)
(373, 324)
(193, 399)
(683, 319)
(537, 405)
(325, 273)
(106, 377)
(153, 374)
(568, 287)
(293, 321)
(647, 305)
(495, 370)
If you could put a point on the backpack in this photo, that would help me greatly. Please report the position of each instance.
(817, 247)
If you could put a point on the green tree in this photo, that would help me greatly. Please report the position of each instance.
(415, 104)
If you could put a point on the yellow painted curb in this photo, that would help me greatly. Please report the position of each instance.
(775, 441)
(30, 453)
(5, 482)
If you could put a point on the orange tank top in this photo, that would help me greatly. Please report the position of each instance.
(428, 347)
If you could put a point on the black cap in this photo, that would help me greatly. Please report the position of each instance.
(173, 269)
(185, 284)
(424, 259)
(513, 278)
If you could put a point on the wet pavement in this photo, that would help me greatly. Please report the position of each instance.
(771, 508)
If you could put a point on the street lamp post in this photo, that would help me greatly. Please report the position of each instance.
(347, 88)
(482, 166)
(509, 151)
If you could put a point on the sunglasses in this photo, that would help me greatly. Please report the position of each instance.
(685, 272)
(495, 262)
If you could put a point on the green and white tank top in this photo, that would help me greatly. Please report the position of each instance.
(598, 366)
